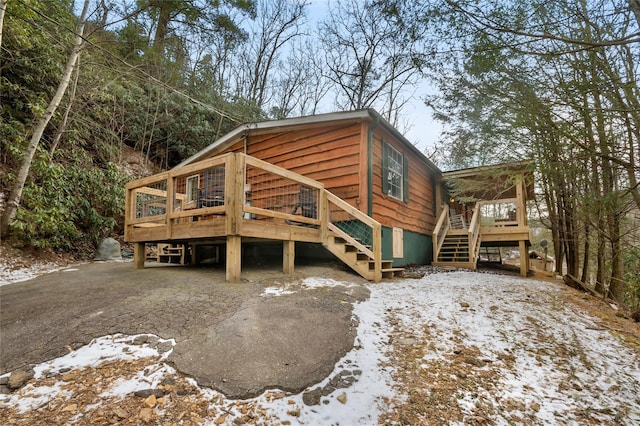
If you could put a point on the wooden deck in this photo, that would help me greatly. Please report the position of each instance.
(460, 248)
(254, 200)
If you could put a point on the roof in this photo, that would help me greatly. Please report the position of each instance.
(301, 122)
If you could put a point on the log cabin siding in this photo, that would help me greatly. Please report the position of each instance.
(328, 154)
(417, 214)
(336, 155)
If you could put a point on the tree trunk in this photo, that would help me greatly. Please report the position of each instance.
(16, 193)
(634, 5)
(3, 8)
(65, 118)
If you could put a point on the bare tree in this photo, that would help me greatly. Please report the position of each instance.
(371, 60)
(16, 193)
(278, 23)
(299, 85)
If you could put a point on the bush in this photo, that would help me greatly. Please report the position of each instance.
(69, 207)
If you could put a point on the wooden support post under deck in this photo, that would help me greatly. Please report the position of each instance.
(524, 258)
(234, 256)
(139, 255)
(288, 256)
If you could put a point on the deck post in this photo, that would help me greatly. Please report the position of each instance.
(524, 258)
(288, 256)
(139, 255)
(323, 215)
(234, 256)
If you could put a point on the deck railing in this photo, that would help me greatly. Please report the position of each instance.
(474, 235)
(356, 228)
(236, 194)
(440, 231)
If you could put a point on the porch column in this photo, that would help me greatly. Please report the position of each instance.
(288, 256)
(524, 258)
(234, 255)
(139, 255)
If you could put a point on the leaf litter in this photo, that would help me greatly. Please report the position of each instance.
(447, 348)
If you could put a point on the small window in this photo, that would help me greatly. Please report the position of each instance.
(395, 173)
(193, 183)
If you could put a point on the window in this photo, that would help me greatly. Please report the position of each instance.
(395, 173)
(193, 183)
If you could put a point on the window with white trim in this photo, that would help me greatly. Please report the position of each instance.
(193, 185)
(395, 173)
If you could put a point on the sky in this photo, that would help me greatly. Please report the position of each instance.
(423, 131)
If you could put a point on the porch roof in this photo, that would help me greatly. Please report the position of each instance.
(493, 182)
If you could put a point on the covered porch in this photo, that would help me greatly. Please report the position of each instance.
(486, 208)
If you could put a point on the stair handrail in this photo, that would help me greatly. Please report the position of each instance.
(440, 231)
(474, 235)
(375, 252)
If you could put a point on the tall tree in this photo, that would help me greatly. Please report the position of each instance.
(16, 193)
(278, 24)
(371, 61)
(555, 80)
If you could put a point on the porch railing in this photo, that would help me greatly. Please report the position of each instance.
(440, 231)
(236, 194)
(474, 236)
(357, 229)
(473, 233)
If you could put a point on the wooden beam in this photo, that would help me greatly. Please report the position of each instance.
(524, 258)
(139, 255)
(234, 257)
(288, 256)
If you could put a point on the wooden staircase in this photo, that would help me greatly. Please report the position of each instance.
(455, 247)
(351, 253)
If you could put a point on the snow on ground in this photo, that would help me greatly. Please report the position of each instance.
(10, 275)
(489, 349)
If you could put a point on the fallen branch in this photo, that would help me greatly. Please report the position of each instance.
(574, 282)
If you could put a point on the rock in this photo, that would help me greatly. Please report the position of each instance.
(140, 340)
(150, 402)
(146, 415)
(146, 393)
(165, 346)
(295, 412)
(108, 249)
(4, 380)
(19, 378)
(312, 397)
(70, 408)
(342, 398)
(464, 304)
(120, 413)
(407, 341)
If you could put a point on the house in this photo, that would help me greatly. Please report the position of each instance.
(348, 181)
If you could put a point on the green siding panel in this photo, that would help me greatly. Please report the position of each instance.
(418, 248)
